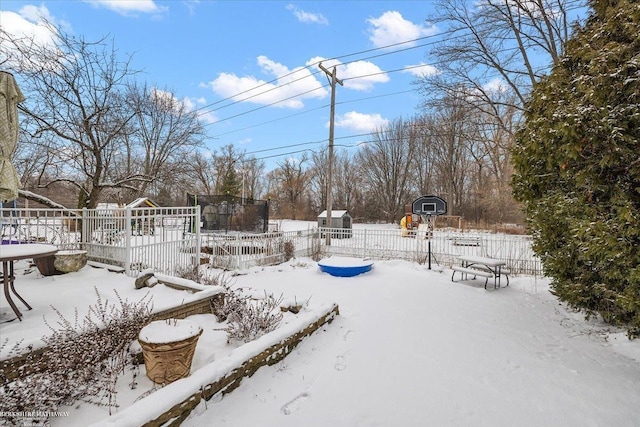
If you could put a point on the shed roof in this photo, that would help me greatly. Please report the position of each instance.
(143, 202)
(334, 214)
(108, 206)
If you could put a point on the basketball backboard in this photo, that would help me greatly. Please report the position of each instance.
(429, 205)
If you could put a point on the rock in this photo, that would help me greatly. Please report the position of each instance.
(69, 261)
(141, 280)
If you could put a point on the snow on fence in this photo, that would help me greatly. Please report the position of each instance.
(233, 251)
(445, 247)
(54, 226)
(238, 251)
(169, 239)
(165, 239)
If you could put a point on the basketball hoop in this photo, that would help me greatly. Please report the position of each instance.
(429, 208)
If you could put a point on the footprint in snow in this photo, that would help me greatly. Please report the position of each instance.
(340, 363)
(293, 405)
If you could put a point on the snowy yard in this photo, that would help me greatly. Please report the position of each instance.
(409, 348)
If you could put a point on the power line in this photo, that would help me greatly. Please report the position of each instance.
(578, 5)
(310, 111)
(429, 134)
(349, 78)
(314, 72)
(324, 86)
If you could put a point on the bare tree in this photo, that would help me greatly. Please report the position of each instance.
(293, 179)
(252, 181)
(75, 99)
(385, 164)
(163, 132)
(508, 42)
(201, 176)
(449, 145)
(318, 179)
(348, 185)
(490, 142)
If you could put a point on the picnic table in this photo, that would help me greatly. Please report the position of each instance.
(11, 253)
(481, 266)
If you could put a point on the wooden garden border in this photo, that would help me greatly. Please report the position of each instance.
(226, 383)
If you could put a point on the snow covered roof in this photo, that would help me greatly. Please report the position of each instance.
(143, 202)
(334, 214)
(108, 206)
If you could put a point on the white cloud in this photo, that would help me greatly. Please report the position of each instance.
(359, 122)
(421, 70)
(308, 17)
(189, 104)
(391, 28)
(30, 23)
(288, 89)
(205, 116)
(358, 75)
(496, 85)
(127, 7)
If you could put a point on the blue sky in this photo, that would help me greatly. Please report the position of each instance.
(250, 67)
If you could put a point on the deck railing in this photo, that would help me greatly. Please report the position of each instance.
(164, 239)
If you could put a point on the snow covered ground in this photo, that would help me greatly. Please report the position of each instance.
(410, 348)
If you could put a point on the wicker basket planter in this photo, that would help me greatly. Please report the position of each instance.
(168, 347)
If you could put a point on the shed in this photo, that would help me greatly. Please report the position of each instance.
(340, 219)
(142, 220)
(143, 202)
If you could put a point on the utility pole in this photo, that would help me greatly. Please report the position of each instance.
(333, 82)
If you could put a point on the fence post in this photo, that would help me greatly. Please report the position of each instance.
(127, 240)
(365, 243)
(85, 239)
(198, 243)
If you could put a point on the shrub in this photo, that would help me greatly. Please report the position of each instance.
(195, 274)
(577, 167)
(253, 318)
(84, 360)
(289, 250)
(246, 317)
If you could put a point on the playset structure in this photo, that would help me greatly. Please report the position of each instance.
(409, 222)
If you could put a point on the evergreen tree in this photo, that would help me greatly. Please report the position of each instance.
(577, 163)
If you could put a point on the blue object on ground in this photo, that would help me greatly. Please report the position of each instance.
(344, 269)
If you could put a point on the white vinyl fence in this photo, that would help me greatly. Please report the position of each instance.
(163, 239)
(441, 249)
(238, 251)
(169, 240)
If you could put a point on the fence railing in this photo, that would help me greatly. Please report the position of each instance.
(238, 251)
(442, 248)
(169, 239)
(164, 239)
